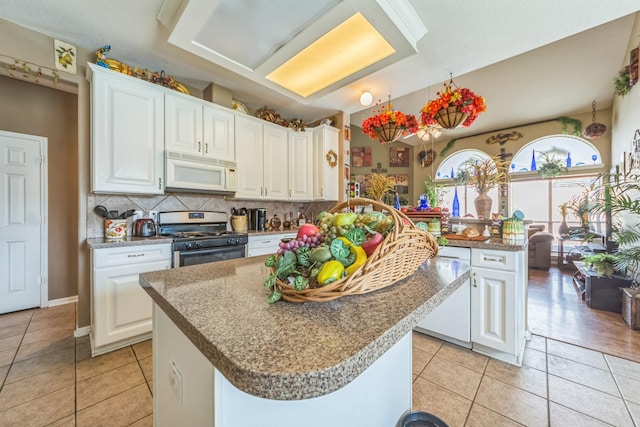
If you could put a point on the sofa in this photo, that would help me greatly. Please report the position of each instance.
(539, 247)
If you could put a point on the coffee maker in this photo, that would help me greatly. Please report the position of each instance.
(257, 219)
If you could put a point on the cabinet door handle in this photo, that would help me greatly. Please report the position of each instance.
(261, 191)
(475, 283)
(265, 191)
(135, 255)
(289, 193)
(491, 258)
(322, 192)
(159, 183)
(206, 148)
(199, 146)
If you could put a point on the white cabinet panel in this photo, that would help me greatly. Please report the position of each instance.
(325, 176)
(127, 134)
(183, 124)
(452, 317)
(493, 309)
(249, 143)
(276, 177)
(266, 244)
(219, 134)
(300, 165)
(121, 309)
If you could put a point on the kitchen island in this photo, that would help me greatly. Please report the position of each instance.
(224, 357)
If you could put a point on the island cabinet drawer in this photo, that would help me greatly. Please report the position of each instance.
(493, 259)
(110, 257)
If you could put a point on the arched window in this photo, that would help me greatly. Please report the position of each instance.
(574, 152)
(451, 164)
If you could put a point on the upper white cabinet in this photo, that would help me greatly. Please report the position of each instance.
(262, 159)
(127, 133)
(301, 165)
(325, 171)
(197, 127)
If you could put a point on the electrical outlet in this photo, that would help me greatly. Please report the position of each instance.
(154, 216)
(175, 380)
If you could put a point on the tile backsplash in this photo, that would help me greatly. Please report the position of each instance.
(188, 201)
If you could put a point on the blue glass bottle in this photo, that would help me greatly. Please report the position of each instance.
(568, 160)
(455, 209)
(533, 161)
(396, 202)
(452, 176)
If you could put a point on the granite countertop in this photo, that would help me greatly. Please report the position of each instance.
(100, 242)
(496, 243)
(289, 351)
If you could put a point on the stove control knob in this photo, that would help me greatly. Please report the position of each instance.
(230, 242)
(188, 245)
(198, 244)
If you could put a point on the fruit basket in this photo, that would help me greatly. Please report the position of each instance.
(404, 248)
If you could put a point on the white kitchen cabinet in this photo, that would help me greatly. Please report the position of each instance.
(197, 127)
(300, 165)
(127, 133)
(262, 165)
(266, 244)
(120, 308)
(498, 303)
(325, 173)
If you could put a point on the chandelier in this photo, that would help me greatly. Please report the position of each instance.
(594, 130)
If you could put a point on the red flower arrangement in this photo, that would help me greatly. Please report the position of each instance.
(388, 125)
(466, 101)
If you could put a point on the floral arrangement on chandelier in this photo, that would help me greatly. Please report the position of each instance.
(453, 106)
(389, 125)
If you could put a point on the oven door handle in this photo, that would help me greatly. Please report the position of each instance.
(208, 251)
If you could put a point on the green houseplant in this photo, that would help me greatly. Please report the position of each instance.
(551, 166)
(483, 175)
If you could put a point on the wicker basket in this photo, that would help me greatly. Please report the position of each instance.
(403, 250)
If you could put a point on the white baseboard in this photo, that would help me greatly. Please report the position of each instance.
(61, 301)
(81, 332)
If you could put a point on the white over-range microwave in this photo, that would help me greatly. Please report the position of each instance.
(186, 172)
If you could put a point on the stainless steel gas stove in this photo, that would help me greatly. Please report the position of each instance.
(200, 237)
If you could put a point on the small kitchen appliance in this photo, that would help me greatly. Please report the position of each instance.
(144, 227)
(257, 219)
(201, 236)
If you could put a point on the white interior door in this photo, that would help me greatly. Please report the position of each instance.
(23, 240)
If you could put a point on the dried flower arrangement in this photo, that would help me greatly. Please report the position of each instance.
(483, 175)
(379, 184)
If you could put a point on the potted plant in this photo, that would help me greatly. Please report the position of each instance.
(579, 206)
(602, 264)
(432, 191)
(483, 175)
(452, 106)
(388, 125)
(551, 166)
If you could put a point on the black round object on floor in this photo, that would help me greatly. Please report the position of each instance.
(422, 419)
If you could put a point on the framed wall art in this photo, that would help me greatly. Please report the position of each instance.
(360, 157)
(399, 157)
(402, 183)
(65, 57)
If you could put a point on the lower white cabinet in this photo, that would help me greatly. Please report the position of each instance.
(120, 308)
(266, 244)
(489, 313)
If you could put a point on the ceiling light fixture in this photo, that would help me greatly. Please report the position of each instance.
(594, 130)
(366, 98)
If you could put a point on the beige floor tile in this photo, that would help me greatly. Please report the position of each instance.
(426, 343)
(111, 383)
(635, 412)
(624, 367)
(150, 382)
(33, 387)
(12, 331)
(583, 374)
(537, 343)
(83, 348)
(594, 403)
(560, 416)
(7, 356)
(142, 349)
(122, 409)
(577, 354)
(629, 388)
(448, 406)
(41, 411)
(65, 322)
(535, 359)
(10, 343)
(47, 334)
(453, 377)
(69, 421)
(55, 311)
(145, 422)
(147, 367)
(419, 360)
(463, 356)
(512, 402)
(414, 376)
(17, 318)
(40, 364)
(38, 348)
(526, 378)
(479, 416)
(97, 365)
(4, 370)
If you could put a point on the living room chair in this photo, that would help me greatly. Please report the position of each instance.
(540, 248)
